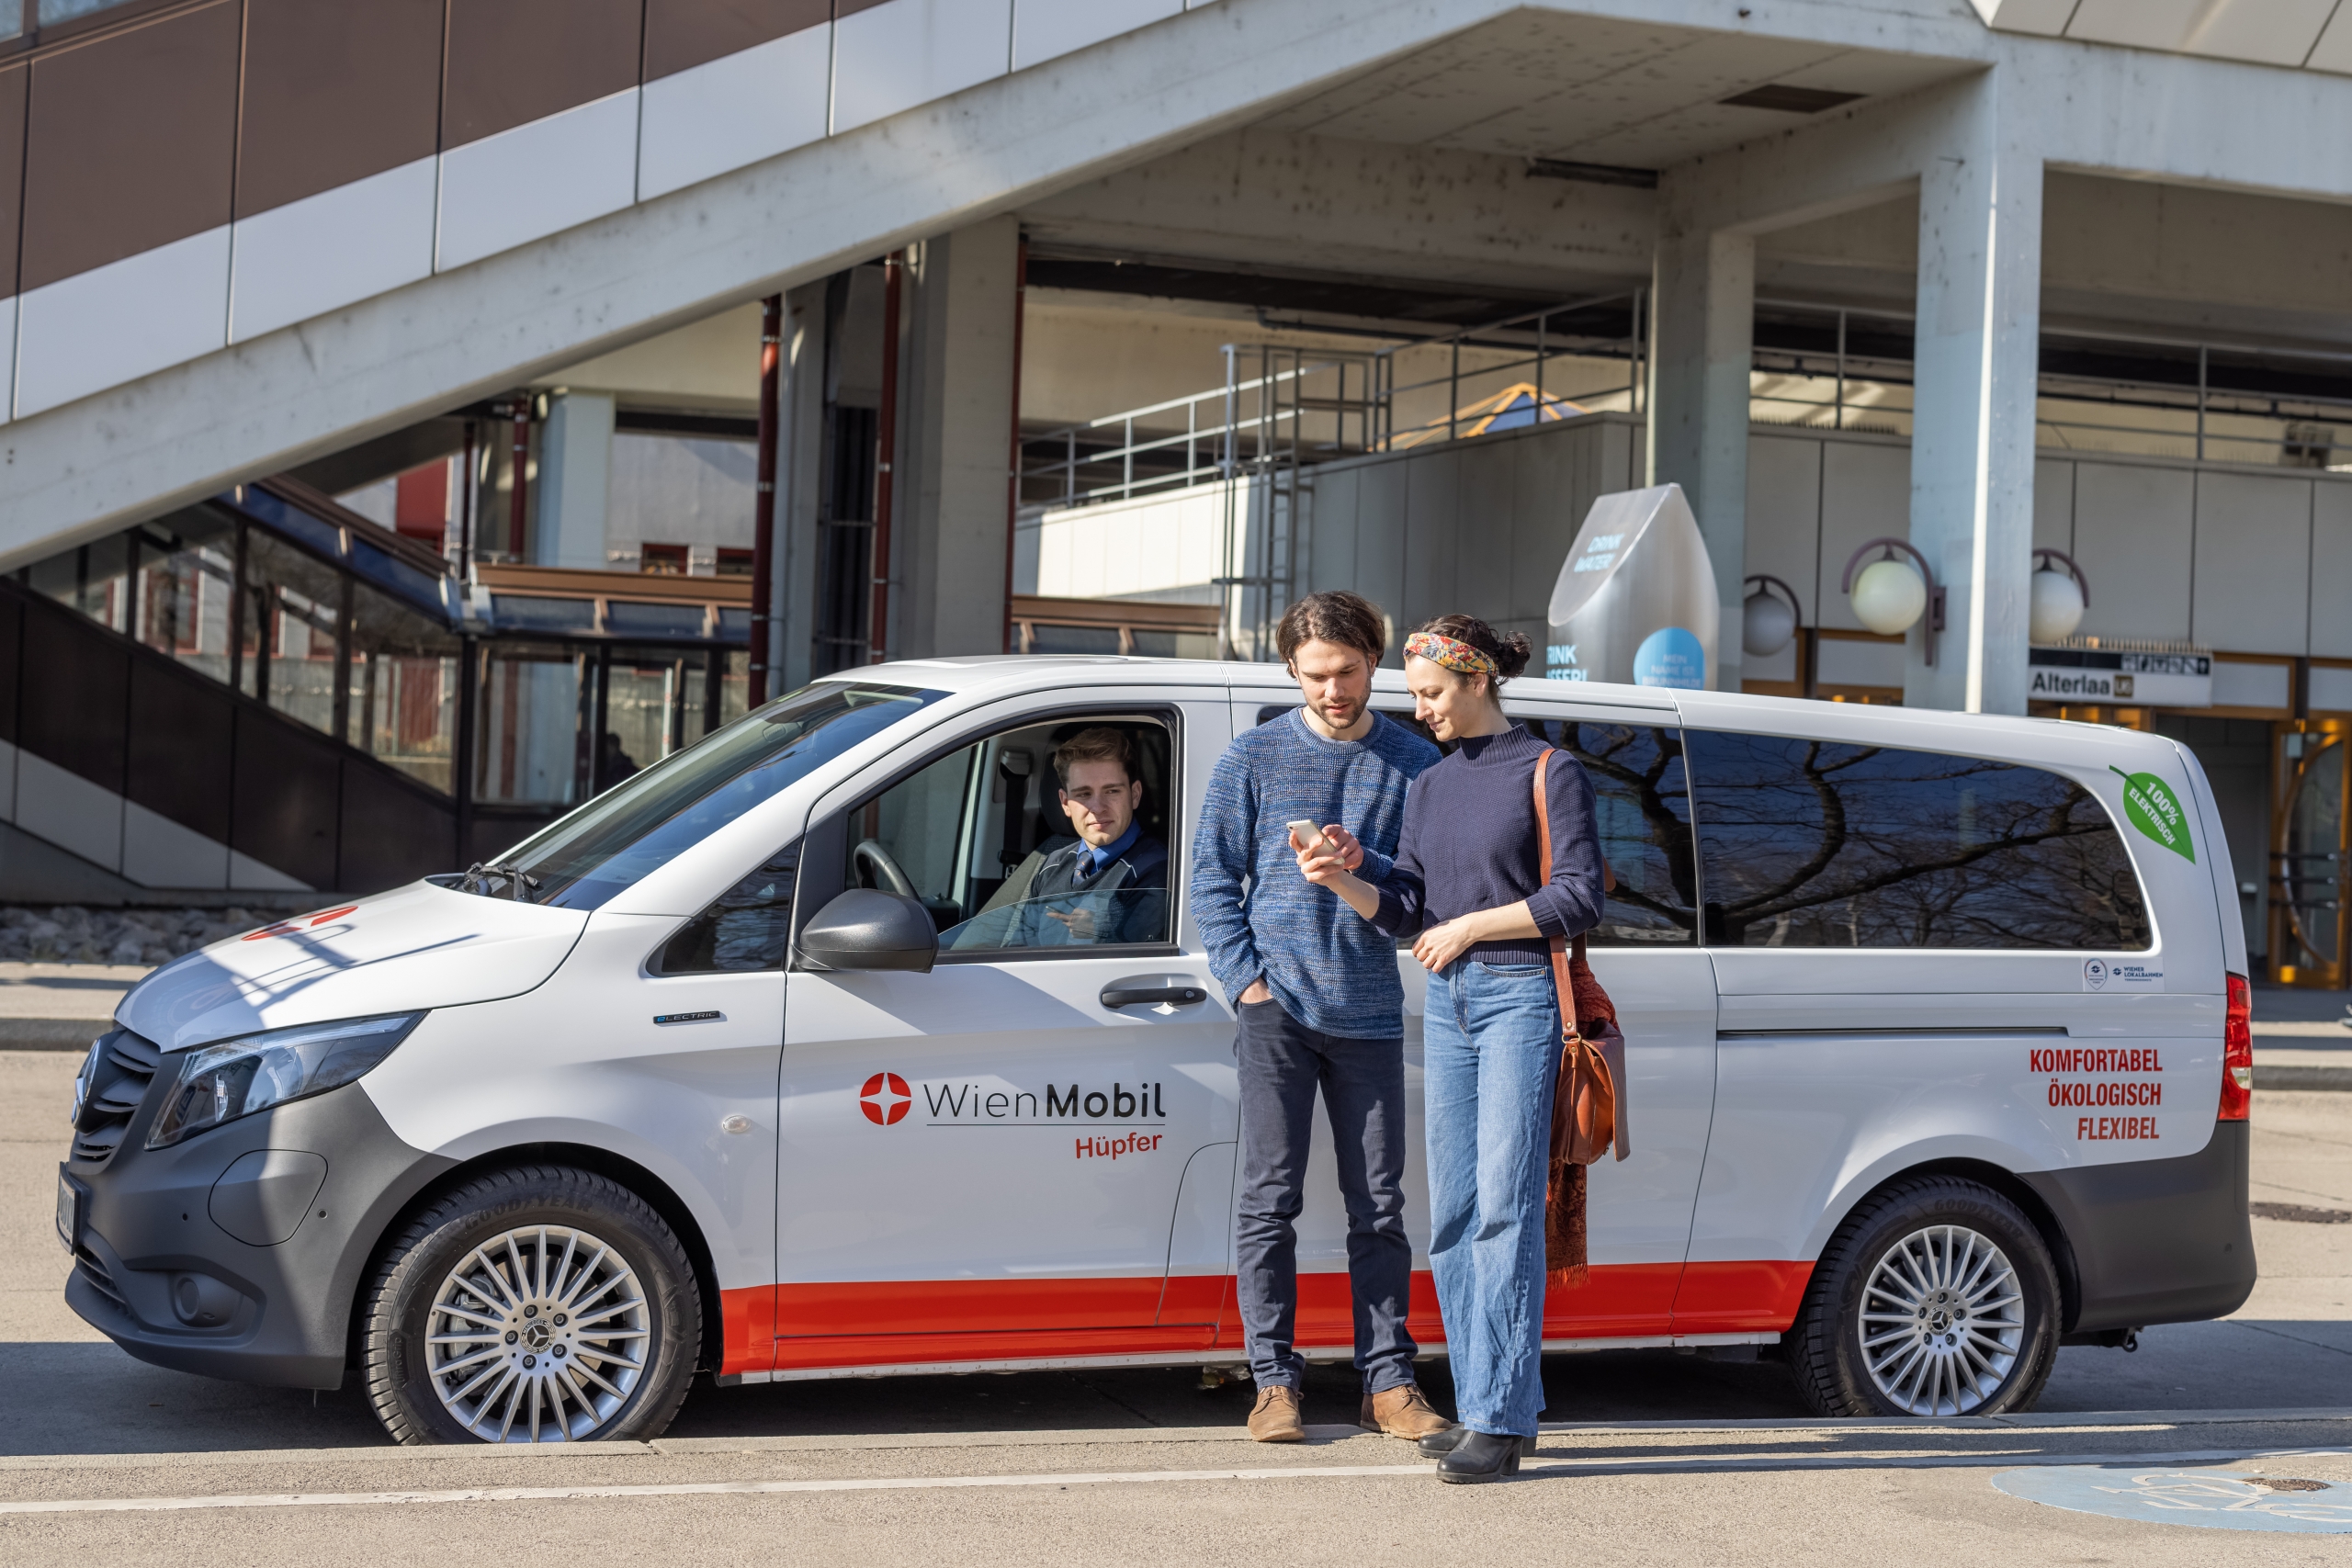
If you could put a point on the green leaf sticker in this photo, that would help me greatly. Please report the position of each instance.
(2153, 807)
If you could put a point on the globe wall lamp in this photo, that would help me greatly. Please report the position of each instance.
(1767, 622)
(1890, 593)
(2059, 598)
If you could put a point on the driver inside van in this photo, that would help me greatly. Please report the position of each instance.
(1109, 885)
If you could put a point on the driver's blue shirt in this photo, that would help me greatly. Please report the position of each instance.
(1091, 861)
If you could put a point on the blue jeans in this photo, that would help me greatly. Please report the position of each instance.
(1282, 1062)
(1490, 1061)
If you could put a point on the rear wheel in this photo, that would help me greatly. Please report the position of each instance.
(534, 1305)
(1936, 1298)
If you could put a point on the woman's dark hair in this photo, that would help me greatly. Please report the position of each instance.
(1509, 653)
(1336, 616)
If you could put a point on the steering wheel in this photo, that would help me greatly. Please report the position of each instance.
(871, 859)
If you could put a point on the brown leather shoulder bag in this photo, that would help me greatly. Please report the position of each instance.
(1588, 1101)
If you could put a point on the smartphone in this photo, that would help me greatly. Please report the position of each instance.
(1312, 836)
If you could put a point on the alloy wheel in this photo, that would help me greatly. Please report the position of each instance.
(1942, 1321)
(539, 1334)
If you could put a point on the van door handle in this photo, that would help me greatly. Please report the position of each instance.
(1172, 990)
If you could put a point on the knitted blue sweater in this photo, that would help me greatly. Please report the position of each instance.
(1330, 969)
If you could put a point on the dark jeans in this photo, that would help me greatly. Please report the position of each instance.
(1283, 1064)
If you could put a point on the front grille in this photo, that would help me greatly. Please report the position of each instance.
(85, 1264)
(124, 1065)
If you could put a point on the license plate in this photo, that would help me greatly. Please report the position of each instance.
(69, 1210)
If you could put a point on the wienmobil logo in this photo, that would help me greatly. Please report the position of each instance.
(886, 1099)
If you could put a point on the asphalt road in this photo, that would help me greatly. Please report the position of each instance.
(1647, 1456)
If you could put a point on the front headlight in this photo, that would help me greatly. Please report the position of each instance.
(216, 1084)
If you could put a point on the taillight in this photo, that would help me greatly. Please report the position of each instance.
(2237, 1052)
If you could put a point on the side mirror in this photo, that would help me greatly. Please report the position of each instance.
(868, 929)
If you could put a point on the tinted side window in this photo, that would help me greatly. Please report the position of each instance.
(1811, 843)
(1643, 805)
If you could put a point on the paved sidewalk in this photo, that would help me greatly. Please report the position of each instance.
(1637, 1493)
(60, 1007)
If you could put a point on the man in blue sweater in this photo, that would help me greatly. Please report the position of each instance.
(1320, 1007)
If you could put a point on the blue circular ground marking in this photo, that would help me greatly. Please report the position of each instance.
(2210, 1499)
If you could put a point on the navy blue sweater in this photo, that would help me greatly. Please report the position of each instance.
(1470, 844)
(1258, 917)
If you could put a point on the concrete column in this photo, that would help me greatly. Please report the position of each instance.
(1972, 441)
(799, 465)
(575, 481)
(1702, 347)
(955, 412)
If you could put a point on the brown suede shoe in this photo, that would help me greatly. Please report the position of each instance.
(1276, 1417)
(1401, 1412)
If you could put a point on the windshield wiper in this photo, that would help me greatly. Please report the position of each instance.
(519, 882)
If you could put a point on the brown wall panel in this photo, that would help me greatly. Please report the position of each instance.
(852, 7)
(12, 663)
(74, 694)
(182, 727)
(130, 142)
(511, 62)
(391, 834)
(14, 83)
(287, 797)
(334, 92)
(679, 34)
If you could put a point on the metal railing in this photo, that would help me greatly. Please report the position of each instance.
(2210, 416)
(1294, 405)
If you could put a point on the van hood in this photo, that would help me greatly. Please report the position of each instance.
(419, 946)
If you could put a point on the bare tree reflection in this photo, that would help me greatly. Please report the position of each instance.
(1815, 844)
(1644, 810)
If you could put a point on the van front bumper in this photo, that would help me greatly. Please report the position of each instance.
(2156, 1241)
(158, 1270)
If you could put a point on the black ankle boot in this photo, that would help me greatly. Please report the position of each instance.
(1480, 1456)
(1440, 1443)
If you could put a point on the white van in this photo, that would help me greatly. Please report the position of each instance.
(1938, 1057)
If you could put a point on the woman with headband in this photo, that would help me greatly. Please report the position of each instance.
(1467, 879)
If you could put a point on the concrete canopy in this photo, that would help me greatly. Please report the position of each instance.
(1622, 82)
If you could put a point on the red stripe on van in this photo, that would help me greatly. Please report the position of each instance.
(1727, 1297)
(817, 1351)
(964, 1306)
(748, 1332)
(864, 1322)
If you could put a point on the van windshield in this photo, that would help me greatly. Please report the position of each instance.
(633, 829)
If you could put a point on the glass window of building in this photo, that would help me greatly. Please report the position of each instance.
(93, 579)
(531, 747)
(404, 674)
(657, 701)
(1811, 843)
(185, 585)
(294, 609)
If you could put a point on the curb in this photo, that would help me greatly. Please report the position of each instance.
(2276, 1075)
(51, 1033)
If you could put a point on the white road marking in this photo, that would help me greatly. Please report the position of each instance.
(1598, 1465)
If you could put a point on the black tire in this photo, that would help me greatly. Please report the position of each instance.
(553, 1374)
(1961, 1351)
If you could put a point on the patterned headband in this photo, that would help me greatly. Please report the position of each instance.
(1457, 656)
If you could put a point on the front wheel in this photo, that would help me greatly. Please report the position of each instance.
(534, 1305)
(1936, 1298)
